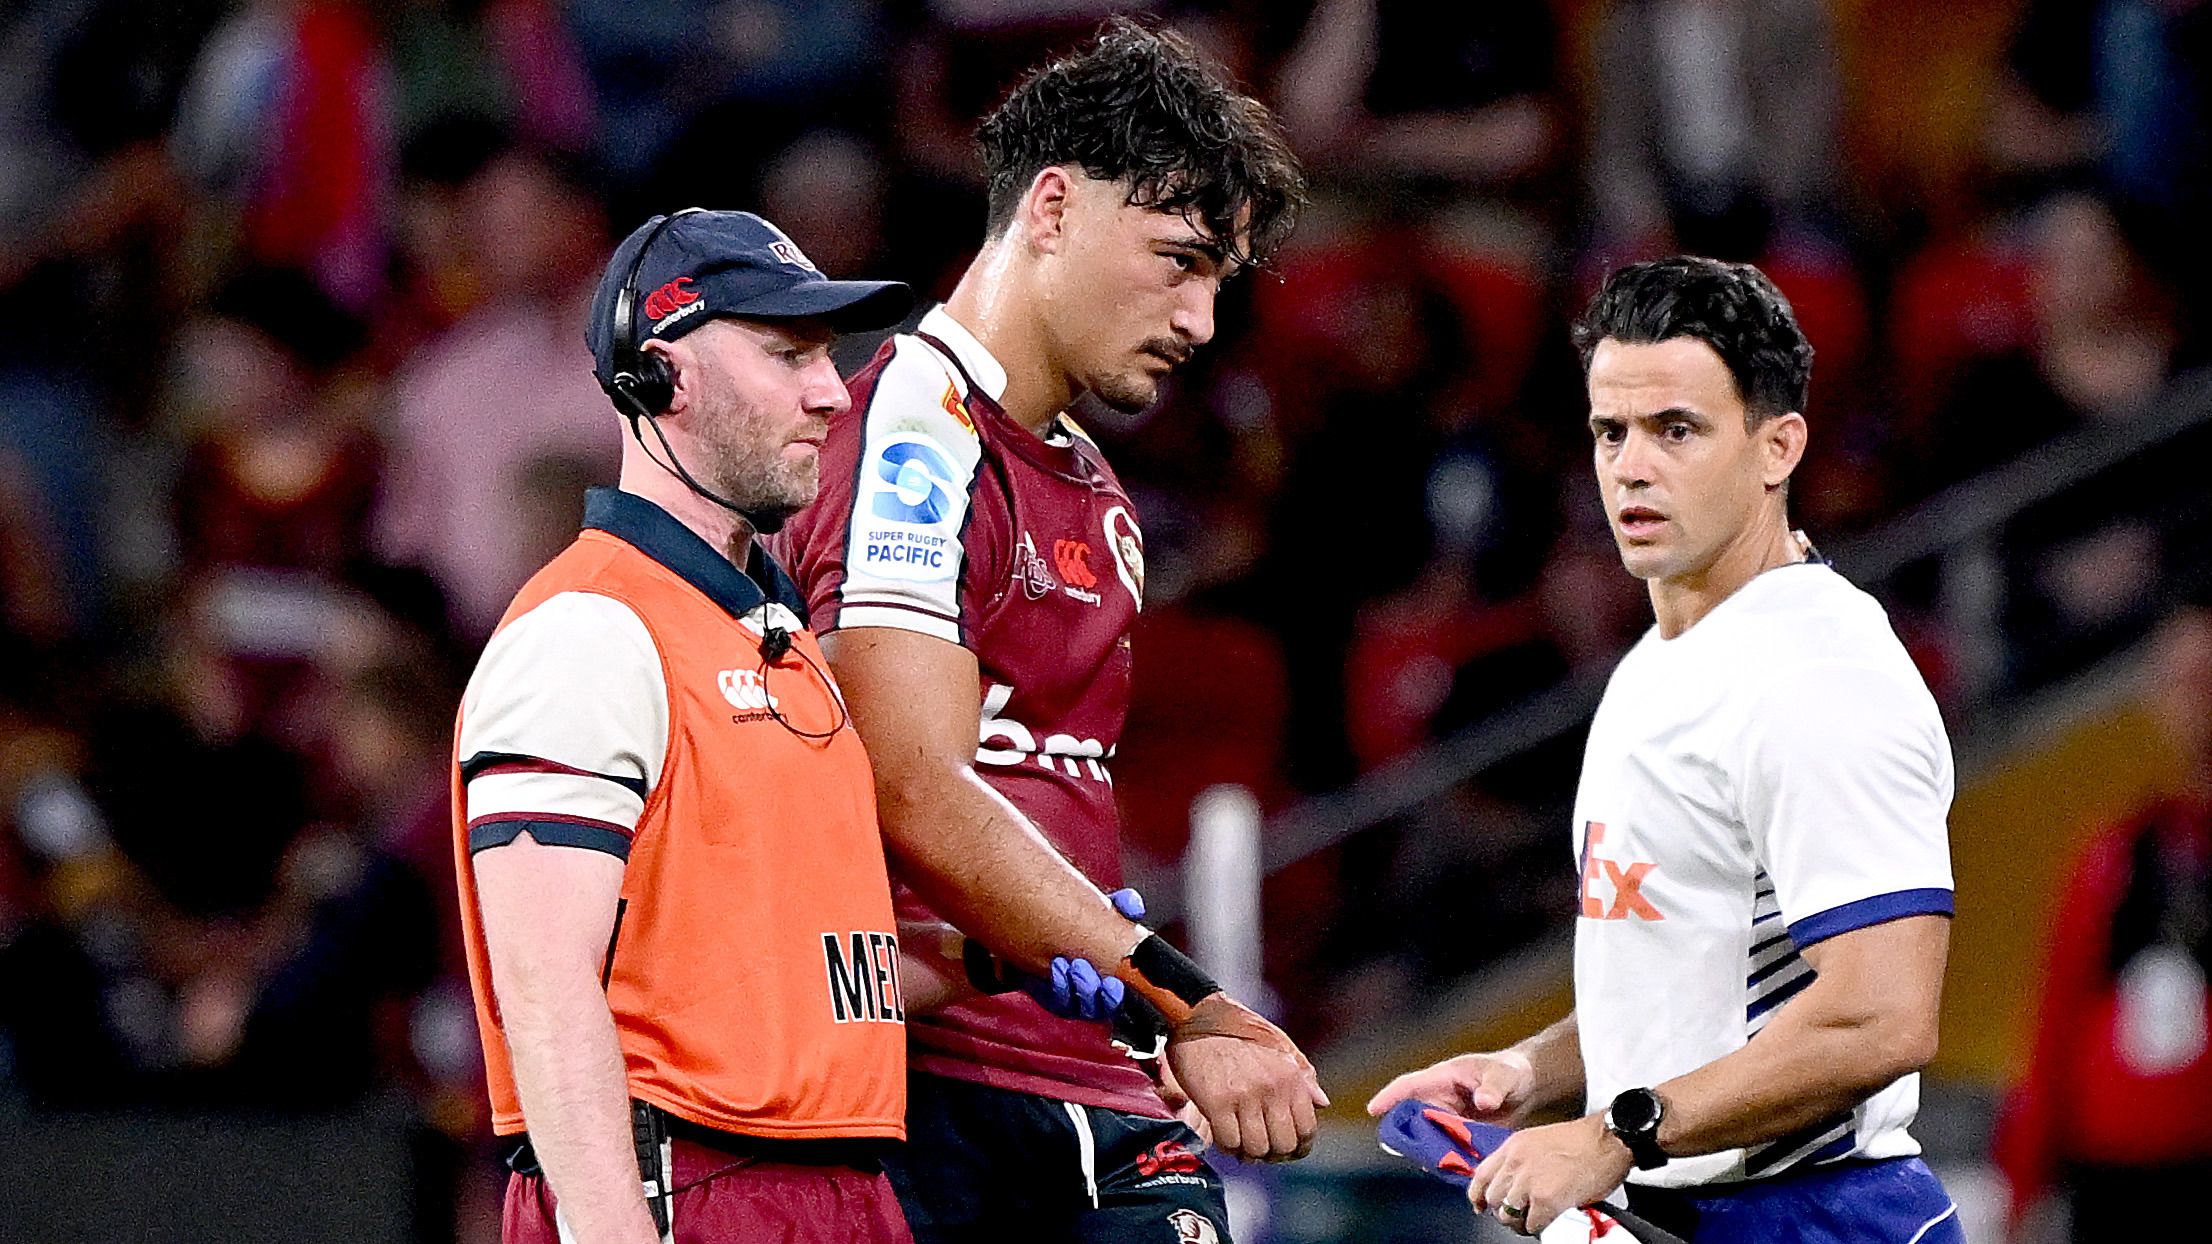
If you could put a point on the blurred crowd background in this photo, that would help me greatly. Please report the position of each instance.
(293, 395)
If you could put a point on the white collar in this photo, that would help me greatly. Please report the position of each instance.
(987, 372)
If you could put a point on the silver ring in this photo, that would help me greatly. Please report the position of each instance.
(1514, 1211)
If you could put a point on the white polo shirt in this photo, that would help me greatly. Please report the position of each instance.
(1774, 776)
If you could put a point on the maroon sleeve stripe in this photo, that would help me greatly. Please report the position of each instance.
(484, 763)
(893, 604)
(550, 818)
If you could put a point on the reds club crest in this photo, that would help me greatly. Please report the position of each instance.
(1030, 569)
(1127, 542)
(1192, 1227)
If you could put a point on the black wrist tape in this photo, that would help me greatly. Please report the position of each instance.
(1139, 1030)
(1172, 970)
(983, 968)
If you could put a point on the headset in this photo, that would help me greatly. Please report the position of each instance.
(643, 385)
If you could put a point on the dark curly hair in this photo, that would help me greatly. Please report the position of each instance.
(1146, 108)
(1731, 307)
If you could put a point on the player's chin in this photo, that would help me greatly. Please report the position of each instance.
(1129, 393)
(1645, 561)
(794, 489)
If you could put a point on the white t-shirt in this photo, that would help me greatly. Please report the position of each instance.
(1774, 776)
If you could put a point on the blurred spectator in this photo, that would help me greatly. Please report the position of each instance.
(2115, 1106)
(696, 94)
(2097, 342)
(278, 473)
(33, 610)
(2115, 89)
(89, 211)
(829, 185)
(508, 385)
(1715, 126)
(510, 62)
(287, 116)
(1452, 94)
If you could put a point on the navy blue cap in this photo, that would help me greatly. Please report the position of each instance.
(709, 264)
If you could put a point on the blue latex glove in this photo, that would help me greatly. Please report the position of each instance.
(1450, 1148)
(1074, 988)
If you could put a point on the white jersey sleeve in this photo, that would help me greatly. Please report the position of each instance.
(564, 727)
(905, 550)
(1846, 785)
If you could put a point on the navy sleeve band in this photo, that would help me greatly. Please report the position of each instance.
(1880, 909)
(498, 833)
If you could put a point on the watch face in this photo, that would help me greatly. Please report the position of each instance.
(1636, 1111)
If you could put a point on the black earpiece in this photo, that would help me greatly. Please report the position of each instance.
(643, 386)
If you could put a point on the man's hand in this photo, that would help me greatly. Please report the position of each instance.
(1254, 1088)
(1544, 1172)
(1175, 1099)
(1489, 1088)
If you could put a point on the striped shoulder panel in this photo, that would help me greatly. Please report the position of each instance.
(564, 726)
(905, 549)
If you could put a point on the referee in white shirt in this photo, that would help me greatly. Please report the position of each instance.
(1759, 830)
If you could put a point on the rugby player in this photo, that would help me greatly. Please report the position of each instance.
(1760, 830)
(975, 570)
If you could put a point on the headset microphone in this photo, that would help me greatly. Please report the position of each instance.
(774, 643)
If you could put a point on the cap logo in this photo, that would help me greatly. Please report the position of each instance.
(668, 299)
(790, 253)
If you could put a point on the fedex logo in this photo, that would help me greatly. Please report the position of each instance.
(669, 298)
(1625, 882)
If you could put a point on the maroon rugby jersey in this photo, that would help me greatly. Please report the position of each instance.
(940, 514)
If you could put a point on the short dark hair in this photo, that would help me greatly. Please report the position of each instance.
(1731, 307)
(1145, 107)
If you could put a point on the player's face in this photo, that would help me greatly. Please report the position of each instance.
(1133, 295)
(1682, 478)
(767, 393)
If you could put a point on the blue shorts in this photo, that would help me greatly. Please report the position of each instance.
(1895, 1201)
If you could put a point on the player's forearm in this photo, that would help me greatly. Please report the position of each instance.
(1821, 1057)
(1555, 1065)
(932, 968)
(569, 1074)
(981, 864)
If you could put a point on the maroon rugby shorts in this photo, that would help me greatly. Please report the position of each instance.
(726, 1196)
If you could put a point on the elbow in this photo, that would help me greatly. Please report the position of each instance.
(1918, 1049)
(1902, 1048)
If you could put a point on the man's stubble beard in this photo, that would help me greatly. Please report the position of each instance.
(1129, 395)
(1132, 393)
(741, 466)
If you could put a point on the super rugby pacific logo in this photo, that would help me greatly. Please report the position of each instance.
(912, 510)
(916, 484)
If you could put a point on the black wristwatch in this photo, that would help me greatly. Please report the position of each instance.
(1634, 1117)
